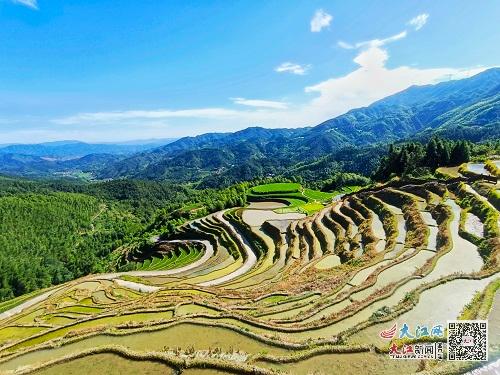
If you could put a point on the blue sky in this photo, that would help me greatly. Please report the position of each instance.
(102, 70)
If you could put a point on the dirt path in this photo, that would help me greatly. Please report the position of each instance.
(29, 303)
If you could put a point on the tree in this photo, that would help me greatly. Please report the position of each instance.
(431, 154)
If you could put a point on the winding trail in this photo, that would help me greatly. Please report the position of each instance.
(29, 303)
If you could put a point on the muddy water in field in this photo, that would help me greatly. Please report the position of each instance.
(474, 225)
(200, 371)
(394, 252)
(292, 308)
(100, 322)
(109, 364)
(16, 333)
(328, 311)
(395, 273)
(195, 309)
(267, 205)
(183, 335)
(257, 217)
(346, 364)
(364, 273)
(400, 222)
(477, 168)
(494, 321)
(380, 246)
(462, 257)
(328, 262)
(432, 240)
(432, 227)
(377, 227)
(358, 317)
(435, 306)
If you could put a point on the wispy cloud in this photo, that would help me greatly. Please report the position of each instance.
(370, 81)
(99, 117)
(260, 103)
(320, 20)
(289, 67)
(33, 4)
(373, 42)
(419, 21)
(345, 45)
(382, 42)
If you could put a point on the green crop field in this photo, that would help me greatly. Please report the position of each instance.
(297, 198)
(279, 187)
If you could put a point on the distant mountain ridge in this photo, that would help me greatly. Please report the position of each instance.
(75, 149)
(465, 109)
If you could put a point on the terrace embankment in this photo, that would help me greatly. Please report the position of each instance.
(297, 280)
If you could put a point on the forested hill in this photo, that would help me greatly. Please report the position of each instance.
(465, 109)
(466, 104)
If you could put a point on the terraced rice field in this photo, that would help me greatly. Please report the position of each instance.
(255, 291)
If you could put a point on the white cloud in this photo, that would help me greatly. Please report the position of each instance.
(419, 21)
(320, 20)
(33, 4)
(345, 45)
(373, 42)
(260, 103)
(288, 67)
(370, 81)
(99, 117)
(382, 42)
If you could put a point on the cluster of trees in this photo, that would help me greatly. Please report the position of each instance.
(342, 179)
(416, 159)
(52, 231)
(46, 239)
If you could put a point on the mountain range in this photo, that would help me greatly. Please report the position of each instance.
(458, 109)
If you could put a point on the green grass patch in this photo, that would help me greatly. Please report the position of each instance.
(317, 195)
(297, 198)
(279, 187)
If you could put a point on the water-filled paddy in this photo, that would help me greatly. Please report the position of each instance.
(194, 309)
(364, 273)
(347, 363)
(395, 273)
(377, 226)
(266, 205)
(105, 321)
(431, 308)
(328, 262)
(17, 333)
(109, 364)
(257, 217)
(474, 225)
(477, 168)
(463, 256)
(184, 335)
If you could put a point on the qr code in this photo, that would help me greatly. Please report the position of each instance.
(467, 340)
